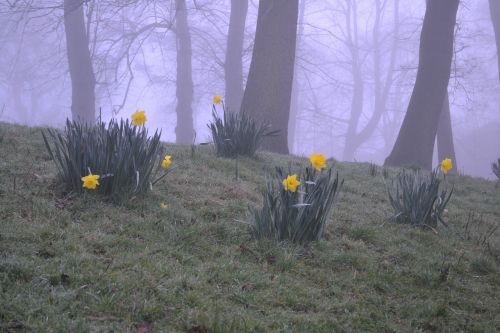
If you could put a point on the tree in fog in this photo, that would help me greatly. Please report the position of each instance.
(79, 62)
(415, 142)
(233, 66)
(444, 136)
(383, 82)
(495, 19)
(294, 103)
(269, 86)
(184, 130)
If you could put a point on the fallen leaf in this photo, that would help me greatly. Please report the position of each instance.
(27, 213)
(169, 310)
(143, 327)
(270, 259)
(198, 329)
(247, 287)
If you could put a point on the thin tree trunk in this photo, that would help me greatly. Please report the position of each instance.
(233, 68)
(269, 86)
(79, 62)
(294, 104)
(17, 93)
(351, 143)
(445, 146)
(358, 84)
(355, 138)
(184, 131)
(415, 142)
(495, 19)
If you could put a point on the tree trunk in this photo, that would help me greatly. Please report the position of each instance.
(269, 85)
(80, 63)
(294, 104)
(351, 143)
(445, 146)
(415, 142)
(233, 68)
(184, 131)
(495, 19)
(382, 86)
(17, 92)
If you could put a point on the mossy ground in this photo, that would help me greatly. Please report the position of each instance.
(78, 264)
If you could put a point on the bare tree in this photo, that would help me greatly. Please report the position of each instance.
(184, 130)
(415, 142)
(79, 62)
(294, 104)
(445, 146)
(269, 85)
(382, 84)
(444, 136)
(233, 66)
(495, 19)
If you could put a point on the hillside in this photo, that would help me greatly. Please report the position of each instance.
(70, 264)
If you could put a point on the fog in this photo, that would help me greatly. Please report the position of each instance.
(355, 69)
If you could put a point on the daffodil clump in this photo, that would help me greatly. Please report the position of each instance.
(297, 205)
(236, 134)
(419, 198)
(118, 160)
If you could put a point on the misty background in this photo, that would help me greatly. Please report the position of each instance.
(354, 70)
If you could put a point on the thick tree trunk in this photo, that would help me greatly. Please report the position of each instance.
(445, 146)
(495, 19)
(184, 131)
(269, 85)
(294, 104)
(415, 142)
(80, 63)
(233, 68)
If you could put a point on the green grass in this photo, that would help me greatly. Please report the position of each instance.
(71, 264)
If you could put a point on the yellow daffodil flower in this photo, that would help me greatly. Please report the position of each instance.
(217, 99)
(291, 183)
(90, 182)
(318, 161)
(164, 205)
(139, 118)
(446, 165)
(166, 161)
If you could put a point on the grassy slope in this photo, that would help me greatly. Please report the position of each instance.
(80, 265)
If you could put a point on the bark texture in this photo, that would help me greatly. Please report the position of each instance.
(495, 19)
(233, 67)
(415, 142)
(184, 131)
(445, 146)
(269, 85)
(79, 62)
